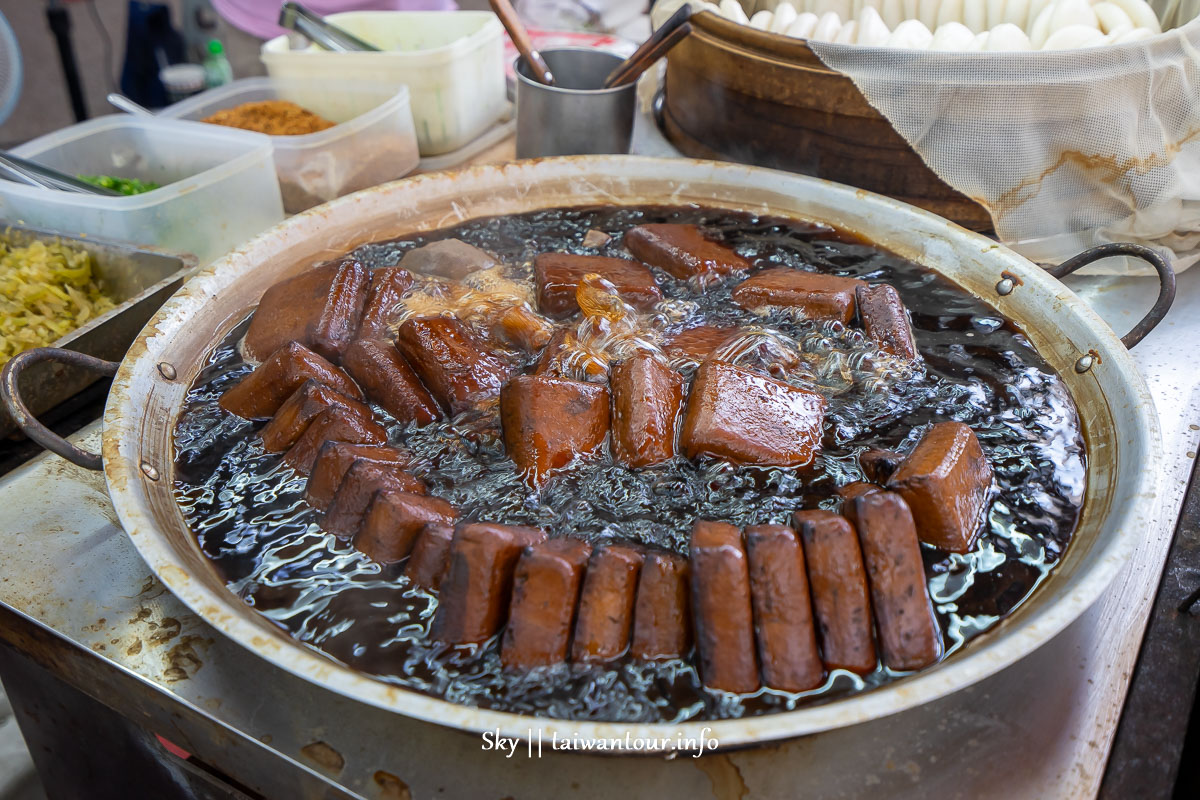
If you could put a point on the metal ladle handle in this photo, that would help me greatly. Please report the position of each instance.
(10, 395)
(1166, 281)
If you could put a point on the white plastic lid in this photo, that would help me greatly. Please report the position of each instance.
(182, 77)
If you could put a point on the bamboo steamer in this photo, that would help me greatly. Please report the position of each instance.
(736, 93)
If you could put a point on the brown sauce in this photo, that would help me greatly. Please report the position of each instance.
(249, 516)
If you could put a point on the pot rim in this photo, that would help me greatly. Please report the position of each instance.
(1034, 622)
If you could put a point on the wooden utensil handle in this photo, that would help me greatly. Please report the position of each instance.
(646, 55)
(520, 37)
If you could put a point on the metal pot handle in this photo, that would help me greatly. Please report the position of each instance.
(11, 396)
(1166, 281)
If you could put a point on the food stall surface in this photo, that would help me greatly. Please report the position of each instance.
(81, 608)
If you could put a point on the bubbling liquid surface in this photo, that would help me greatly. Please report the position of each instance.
(249, 516)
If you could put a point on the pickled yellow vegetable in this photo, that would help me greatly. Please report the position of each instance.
(47, 290)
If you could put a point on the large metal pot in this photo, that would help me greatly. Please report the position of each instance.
(1120, 424)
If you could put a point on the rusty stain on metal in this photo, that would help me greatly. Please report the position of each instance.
(323, 756)
(183, 659)
(168, 629)
(725, 777)
(1016, 279)
(134, 648)
(391, 787)
(148, 586)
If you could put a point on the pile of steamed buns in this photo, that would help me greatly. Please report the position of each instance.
(959, 25)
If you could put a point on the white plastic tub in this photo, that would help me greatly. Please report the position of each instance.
(374, 141)
(218, 186)
(451, 61)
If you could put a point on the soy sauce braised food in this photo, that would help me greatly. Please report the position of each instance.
(754, 464)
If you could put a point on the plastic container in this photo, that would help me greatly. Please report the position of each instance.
(182, 80)
(451, 61)
(218, 186)
(373, 142)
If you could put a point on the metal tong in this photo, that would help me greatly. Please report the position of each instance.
(36, 174)
(296, 17)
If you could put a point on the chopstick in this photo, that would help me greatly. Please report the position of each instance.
(520, 37)
(651, 51)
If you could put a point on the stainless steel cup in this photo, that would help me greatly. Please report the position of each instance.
(575, 116)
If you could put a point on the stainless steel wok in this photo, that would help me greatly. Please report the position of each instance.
(1119, 420)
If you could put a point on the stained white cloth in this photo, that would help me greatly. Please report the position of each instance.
(1066, 149)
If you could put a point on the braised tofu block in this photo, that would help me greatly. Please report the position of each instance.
(335, 424)
(357, 490)
(547, 362)
(783, 619)
(646, 398)
(287, 312)
(697, 344)
(476, 591)
(338, 324)
(840, 597)
(521, 328)
(815, 294)
(721, 608)
(388, 287)
(879, 464)
(563, 355)
(262, 392)
(387, 379)
(394, 520)
(909, 635)
(683, 251)
(605, 617)
(595, 238)
(430, 556)
(334, 459)
(452, 362)
(544, 598)
(662, 617)
(946, 481)
(549, 421)
(851, 492)
(449, 258)
(299, 410)
(558, 276)
(748, 418)
(885, 319)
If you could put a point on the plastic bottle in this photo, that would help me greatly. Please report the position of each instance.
(217, 70)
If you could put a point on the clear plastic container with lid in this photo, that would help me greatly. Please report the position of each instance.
(217, 186)
(373, 142)
(451, 61)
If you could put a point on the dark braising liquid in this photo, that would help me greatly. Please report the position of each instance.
(249, 516)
